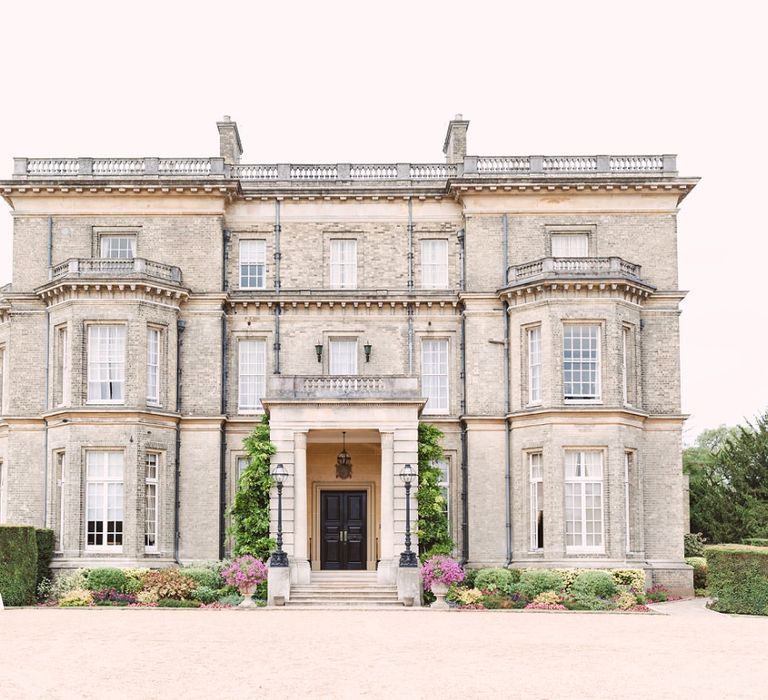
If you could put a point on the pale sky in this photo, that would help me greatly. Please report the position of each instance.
(377, 82)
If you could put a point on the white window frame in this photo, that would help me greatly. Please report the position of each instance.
(103, 484)
(108, 238)
(575, 243)
(343, 257)
(114, 365)
(154, 354)
(586, 460)
(251, 375)
(536, 483)
(241, 464)
(343, 362)
(152, 499)
(596, 395)
(533, 337)
(59, 475)
(62, 377)
(438, 401)
(253, 263)
(434, 263)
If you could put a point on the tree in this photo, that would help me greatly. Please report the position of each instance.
(250, 509)
(728, 472)
(432, 524)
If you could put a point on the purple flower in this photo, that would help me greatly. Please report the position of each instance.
(441, 569)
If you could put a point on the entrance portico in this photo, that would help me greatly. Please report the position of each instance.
(335, 523)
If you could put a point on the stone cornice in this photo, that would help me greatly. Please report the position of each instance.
(566, 415)
(351, 299)
(65, 290)
(634, 292)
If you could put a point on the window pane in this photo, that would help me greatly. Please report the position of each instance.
(434, 264)
(570, 245)
(343, 357)
(104, 498)
(343, 263)
(118, 247)
(434, 374)
(153, 365)
(534, 365)
(252, 373)
(106, 363)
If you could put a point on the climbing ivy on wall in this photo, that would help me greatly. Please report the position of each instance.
(250, 509)
(432, 523)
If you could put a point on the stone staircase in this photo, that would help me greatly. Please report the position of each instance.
(344, 589)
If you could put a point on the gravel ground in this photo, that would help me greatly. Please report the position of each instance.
(186, 654)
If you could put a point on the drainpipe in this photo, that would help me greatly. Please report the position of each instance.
(507, 397)
(410, 245)
(180, 326)
(462, 260)
(410, 339)
(227, 236)
(464, 446)
(223, 435)
(47, 378)
(278, 310)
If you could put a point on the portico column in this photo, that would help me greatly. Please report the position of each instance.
(387, 535)
(300, 564)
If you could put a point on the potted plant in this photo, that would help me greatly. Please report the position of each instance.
(438, 573)
(245, 573)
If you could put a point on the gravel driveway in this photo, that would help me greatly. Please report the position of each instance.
(114, 653)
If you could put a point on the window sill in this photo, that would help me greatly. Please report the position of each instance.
(250, 411)
(251, 289)
(436, 412)
(106, 549)
(585, 550)
(591, 402)
(105, 403)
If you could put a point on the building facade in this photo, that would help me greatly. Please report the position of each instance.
(527, 306)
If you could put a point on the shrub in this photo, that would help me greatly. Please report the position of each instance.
(68, 581)
(598, 584)
(657, 594)
(45, 543)
(102, 579)
(470, 576)
(535, 581)
(699, 565)
(625, 600)
(232, 599)
(204, 577)
(44, 589)
(581, 601)
(76, 598)
(494, 601)
(738, 579)
(633, 578)
(205, 594)
(18, 564)
(441, 569)
(495, 580)
(135, 579)
(110, 596)
(545, 606)
(147, 597)
(756, 541)
(467, 596)
(548, 598)
(693, 544)
(172, 603)
(169, 584)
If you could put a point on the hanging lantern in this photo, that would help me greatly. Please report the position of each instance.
(343, 461)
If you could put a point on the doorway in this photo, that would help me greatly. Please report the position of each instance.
(343, 530)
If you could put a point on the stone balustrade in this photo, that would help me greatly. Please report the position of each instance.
(573, 268)
(342, 387)
(471, 167)
(114, 268)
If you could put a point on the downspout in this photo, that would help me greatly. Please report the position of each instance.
(180, 326)
(462, 261)
(47, 378)
(224, 380)
(410, 245)
(463, 409)
(278, 310)
(507, 397)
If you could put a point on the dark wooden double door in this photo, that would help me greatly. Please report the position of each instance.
(343, 530)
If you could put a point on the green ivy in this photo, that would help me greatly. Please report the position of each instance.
(250, 509)
(432, 524)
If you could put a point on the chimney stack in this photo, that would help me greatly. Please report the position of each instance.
(455, 145)
(230, 148)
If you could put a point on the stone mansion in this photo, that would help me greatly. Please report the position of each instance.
(525, 305)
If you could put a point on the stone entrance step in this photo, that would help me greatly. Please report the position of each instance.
(339, 589)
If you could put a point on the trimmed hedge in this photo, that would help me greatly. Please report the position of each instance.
(756, 541)
(45, 544)
(18, 564)
(737, 578)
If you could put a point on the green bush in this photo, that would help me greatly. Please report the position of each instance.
(495, 580)
(206, 578)
(231, 599)
(693, 543)
(101, 579)
(76, 598)
(583, 601)
(18, 564)
(535, 581)
(699, 565)
(756, 541)
(169, 583)
(470, 576)
(598, 584)
(171, 603)
(633, 578)
(45, 542)
(205, 594)
(66, 581)
(737, 578)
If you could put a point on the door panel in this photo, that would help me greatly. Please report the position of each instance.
(343, 530)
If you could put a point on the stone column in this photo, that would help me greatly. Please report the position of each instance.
(387, 565)
(300, 507)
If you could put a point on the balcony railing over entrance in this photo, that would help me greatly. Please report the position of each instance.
(101, 268)
(343, 387)
(573, 268)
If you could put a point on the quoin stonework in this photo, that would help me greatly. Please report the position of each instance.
(526, 305)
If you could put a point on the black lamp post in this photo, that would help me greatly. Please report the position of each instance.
(407, 558)
(279, 557)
